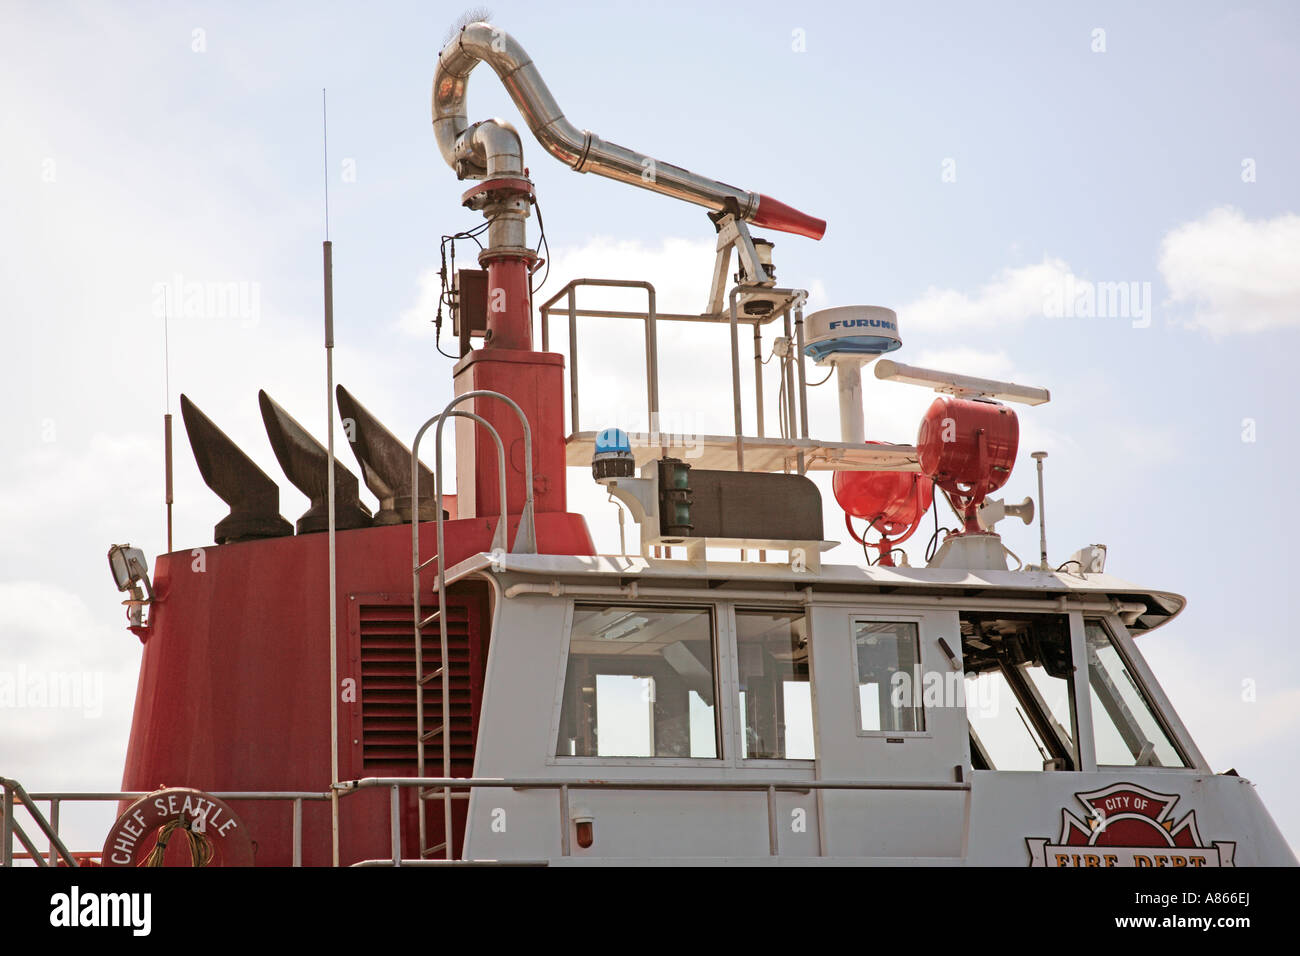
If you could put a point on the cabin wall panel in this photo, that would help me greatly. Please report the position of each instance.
(1009, 808)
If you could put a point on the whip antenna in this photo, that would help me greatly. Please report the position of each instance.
(167, 421)
(328, 251)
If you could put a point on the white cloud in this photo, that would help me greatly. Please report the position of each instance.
(983, 363)
(694, 358)
(679, 269)
(1237, 274)
(41, 485)
(1225, 722)
(418, 319)
(1012, 295)
(67, 689)
(1148, 445)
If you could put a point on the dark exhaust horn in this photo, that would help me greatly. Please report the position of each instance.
(385, 464)
(254, 499)
(305, 462)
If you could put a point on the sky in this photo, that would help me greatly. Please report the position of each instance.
(983, 169)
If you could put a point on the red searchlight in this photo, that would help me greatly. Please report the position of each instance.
(969, 448)
(891, 502)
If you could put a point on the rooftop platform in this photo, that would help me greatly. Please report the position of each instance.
(718, 452)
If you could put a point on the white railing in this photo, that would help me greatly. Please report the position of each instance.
(13, 791)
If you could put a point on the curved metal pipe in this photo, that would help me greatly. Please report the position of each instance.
(492, 146)
(580, 149)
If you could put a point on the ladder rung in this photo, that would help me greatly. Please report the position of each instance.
(431, 850)
(432, 675)
(430, 734)
(430, 619)
(436, 793)
(424, 564)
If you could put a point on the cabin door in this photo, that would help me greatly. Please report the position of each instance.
(889, 707)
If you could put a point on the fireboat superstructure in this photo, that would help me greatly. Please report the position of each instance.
(718, 693)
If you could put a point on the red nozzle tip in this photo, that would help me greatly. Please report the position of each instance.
(773, 214)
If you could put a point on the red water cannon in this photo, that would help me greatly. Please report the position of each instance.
(891, 502)
(968, 447)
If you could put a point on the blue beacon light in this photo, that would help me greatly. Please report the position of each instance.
(612, 457)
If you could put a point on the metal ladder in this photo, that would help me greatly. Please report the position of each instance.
(525, 543)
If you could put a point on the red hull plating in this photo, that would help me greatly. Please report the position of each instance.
(232, 691)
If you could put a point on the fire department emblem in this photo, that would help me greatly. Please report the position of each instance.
(1128, 825)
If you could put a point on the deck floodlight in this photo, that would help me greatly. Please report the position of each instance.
(131, 573)
(128, 566)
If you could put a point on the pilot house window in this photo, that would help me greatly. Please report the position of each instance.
(640, 683)
(1019, 693)
(775, 694)
(1127, 731)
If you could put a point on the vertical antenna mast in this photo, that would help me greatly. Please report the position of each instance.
(1038, 456)
(167, 421)
(333, 571)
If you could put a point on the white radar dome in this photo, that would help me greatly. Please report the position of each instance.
(862, 331)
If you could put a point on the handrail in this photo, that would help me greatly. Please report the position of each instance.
(89, 796)
(563, 785)
(732, 318)
(11, 827)
(651, 341)
(707, 318)
(56, 797)
(647, 783)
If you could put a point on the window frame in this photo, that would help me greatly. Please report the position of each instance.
(870, 617)
(1158, 706)
(715, 612)
(1081, 748)
(726, 677)
(734, 742)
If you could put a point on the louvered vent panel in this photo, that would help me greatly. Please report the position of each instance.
(388, 733)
